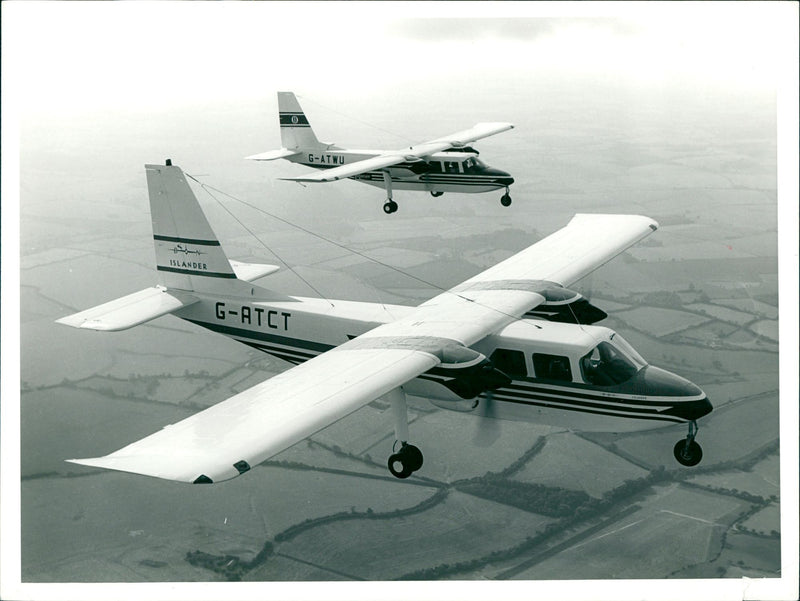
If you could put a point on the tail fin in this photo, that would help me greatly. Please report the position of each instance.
(296, 132)
(188, 253)
(187, 250)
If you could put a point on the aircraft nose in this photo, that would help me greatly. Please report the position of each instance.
(691, 410)
(662, 383)
(501, 177)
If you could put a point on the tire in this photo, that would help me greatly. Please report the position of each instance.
(403, 471)
(387, 208)
(413, 457)
(505, 200)
(436, 194)
(688, 455)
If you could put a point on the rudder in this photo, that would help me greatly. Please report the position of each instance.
(296, 131)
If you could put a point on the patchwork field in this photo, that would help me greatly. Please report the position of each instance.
(562, 462)
(391, 549)
(672, 530)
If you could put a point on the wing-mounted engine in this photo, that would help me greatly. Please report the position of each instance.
(566, 306)
(467, 372)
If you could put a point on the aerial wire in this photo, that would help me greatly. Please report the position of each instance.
(264, 244)
(208, 187)
(386, 131)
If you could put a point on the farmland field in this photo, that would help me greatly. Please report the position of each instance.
(686, 525)
(562, 462)
(451, 530)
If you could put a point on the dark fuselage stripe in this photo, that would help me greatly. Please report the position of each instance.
(186, 240)
(208, 274)
(629, 414)
(296, 343)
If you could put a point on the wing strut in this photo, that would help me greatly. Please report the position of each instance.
(390, 206)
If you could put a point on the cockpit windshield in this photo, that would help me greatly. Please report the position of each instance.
(611, 363)
(473, 164)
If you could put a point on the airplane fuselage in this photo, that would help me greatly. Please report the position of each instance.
(528, 351)
(441, 172)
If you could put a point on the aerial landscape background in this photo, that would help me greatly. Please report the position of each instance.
(650, 114)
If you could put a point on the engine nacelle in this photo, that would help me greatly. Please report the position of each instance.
(566, 306)
(468, 373)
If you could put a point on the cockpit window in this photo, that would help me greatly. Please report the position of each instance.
(607, 365)
(472, 165)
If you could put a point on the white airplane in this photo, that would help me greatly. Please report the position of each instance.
(442, 165)
(475, 348)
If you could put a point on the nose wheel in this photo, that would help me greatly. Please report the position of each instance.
(389, 207)
(436, 194)
(687, 451)
(405, 462)
(505, 200)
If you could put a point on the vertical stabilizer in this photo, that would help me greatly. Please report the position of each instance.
(188, 254)
(296, 132)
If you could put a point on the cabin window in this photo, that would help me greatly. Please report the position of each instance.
(450, 167)
(552, 367)
(511, 363)
(606, 365)
(436, 167)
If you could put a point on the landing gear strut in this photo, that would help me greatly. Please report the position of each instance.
(409, 458)
(389, 206)
(687, 451)
(505, 200)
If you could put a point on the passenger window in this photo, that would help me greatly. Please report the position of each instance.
(511, 363)
(552, 367)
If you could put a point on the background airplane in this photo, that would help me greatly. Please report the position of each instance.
(446, 164)
(469, 349)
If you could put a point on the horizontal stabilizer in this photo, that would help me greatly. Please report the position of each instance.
(128, 311)
(271, 155)
(252, 271)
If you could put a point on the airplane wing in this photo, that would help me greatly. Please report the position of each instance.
(412, 153)
(345, 171)
(494, 298)
(272, 155)
(227, 439)
(128, 311)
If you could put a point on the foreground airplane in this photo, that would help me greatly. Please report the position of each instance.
(480, 347)
(443, 165)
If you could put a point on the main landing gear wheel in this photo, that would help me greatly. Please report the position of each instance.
(505, 200)
(436, 194)
(405, 462)
(389, 207)
(687, 451)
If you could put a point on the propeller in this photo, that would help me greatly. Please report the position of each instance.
(488, 428)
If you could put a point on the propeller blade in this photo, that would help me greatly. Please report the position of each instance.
(488, 429)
